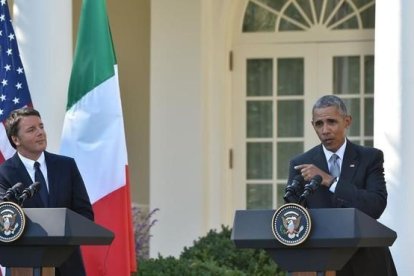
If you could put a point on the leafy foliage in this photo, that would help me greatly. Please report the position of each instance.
(214, 254)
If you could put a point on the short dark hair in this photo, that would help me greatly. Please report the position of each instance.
(331, 100)
(12, 122)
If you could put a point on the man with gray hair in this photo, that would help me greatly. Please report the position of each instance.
(352, 177)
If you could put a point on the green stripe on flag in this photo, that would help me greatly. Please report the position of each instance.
(94, 55)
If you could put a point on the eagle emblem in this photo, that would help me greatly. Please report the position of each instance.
(12, 221)
(8, 223)
(291, 224)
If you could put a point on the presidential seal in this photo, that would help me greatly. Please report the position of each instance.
(12, 221)
(291, 224)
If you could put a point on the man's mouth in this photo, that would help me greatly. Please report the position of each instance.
(328, 140)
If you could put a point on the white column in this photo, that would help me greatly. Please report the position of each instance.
(394, 120)
(44, 34)
(176, 126)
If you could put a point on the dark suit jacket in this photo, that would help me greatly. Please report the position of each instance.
(66, 190)
(362, 186)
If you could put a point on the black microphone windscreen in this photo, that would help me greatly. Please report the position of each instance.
(17, 185)
(311, 187)
(292, 189)
(317, 178)
(299, 178)
(36, 186)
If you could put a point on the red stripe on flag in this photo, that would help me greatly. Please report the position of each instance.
(114, 213)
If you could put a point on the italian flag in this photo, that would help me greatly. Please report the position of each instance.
(93, 134)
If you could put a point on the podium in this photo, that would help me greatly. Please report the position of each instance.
(335, 236)
(51, 235)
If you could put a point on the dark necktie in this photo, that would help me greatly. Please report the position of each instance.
(334, 168)
(44, 194)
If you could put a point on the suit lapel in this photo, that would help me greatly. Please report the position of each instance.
(350, 162)
(319, 159)
(52, 178)
(24, 176)
(21, 171)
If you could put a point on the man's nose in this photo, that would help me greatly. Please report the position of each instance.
(40, 131)
(325, 129)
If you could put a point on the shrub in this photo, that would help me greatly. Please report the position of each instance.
(171, 266)
(214, 254)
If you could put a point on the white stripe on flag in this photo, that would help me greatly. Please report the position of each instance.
(6, 149)
(94, 134)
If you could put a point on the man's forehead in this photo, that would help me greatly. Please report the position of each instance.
(30, 120)
(326, 112)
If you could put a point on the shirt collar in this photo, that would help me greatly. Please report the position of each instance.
(29, 163)
(340, 152)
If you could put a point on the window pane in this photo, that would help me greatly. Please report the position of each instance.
(360, 3)
(318, 8)
(285, 152)
(346, 75)
(285, 25)
(369, 117)
(259, 77)
(369, 74)
(259, 196)
(280, 193)
(294, 14)
(368, 18)
(259, 160)
(369, 143)
(358, 141)
(353, 106)
(290, 118)
(330, 6)
(351, 23)
(259, 119)
(257, 19)
(274, 4)
(307, 9)
(290, 74)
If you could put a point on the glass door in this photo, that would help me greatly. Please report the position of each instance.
(274, 90)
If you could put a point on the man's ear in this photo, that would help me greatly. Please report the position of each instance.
(16, 140)
(348, 121)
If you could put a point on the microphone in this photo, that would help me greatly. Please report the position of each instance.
(13, 192)
(29, 192)
(293, 189)
(311, 187)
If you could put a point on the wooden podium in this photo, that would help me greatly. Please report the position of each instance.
(335, 236)
(50, 237)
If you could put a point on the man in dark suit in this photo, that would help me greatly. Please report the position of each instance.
(359, 182)
(63, 181)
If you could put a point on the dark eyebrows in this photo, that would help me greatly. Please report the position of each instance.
(31, 128)
(318, 122)
(329, 121)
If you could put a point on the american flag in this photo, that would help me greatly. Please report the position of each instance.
(14, 92)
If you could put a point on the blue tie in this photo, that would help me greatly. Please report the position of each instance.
(334, 169)
(44, 194)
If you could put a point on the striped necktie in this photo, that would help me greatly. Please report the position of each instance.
(334, 168)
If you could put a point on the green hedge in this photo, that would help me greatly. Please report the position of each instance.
(214, 254)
